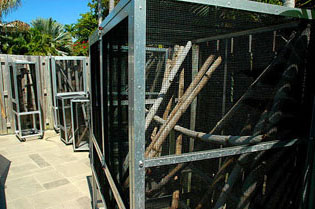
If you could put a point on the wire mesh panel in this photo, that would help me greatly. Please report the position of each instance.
(25, 94)
(68, 75)
(65, 117)
(195, 97)
(80, 112)
(96, 120)
(242, 81)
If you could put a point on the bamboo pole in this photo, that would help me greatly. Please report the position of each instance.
(158, 71)
(167, 84)
(175, 200)
(155, 145)
(190, 89)
(178, 147)
(168, 68)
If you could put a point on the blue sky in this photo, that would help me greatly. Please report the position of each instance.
(64, 11)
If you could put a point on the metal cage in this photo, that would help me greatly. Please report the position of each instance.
(80, 112)
(25, 94)
(68, 75)
(64, 114)
(222, 119)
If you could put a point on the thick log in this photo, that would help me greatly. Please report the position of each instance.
(215, 139)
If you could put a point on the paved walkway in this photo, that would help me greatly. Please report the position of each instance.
(46, 174)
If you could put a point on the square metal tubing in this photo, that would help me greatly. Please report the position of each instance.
(65, 118)
(68, 75)
(131, 27)
(25, 94)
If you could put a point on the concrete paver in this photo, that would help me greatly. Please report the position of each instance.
(45, 174)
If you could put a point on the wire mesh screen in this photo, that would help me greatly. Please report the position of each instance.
(267, 179)
(26, 87)
(96, 93)
(80, 110)
(261, 69)
(70, 76)
(25, 98)
(231, 78)
(65, 116)
(115, 104)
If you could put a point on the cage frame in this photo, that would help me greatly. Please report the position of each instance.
(62, 98)
(81, 100)
(135, 11)
(53, 81)
(15, 100)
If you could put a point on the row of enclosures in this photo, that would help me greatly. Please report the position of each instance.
(31, 88)
(203, 104)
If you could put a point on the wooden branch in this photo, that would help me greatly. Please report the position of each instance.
(179, 139)
(175, 200)
(166, 179)
(188, 92)
(167, 84)
(32, 86)
(158, 71)
(218, 177)
(81, 137)
(65, 78)
(3, 114)
(234, 176)
(159, 139)
(216, 139)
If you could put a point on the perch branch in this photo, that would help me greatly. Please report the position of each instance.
(167, 84)
(188, 92)
(215, 139)
(159, 139)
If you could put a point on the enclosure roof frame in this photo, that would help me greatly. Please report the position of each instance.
(252, 6)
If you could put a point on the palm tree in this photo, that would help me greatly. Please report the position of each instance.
(59, 37)
(8, 5)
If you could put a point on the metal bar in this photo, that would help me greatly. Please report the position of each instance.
(120, 6)
(258, 7)
(248, 32)
(116, 16)
(72, 124)
(80, 58)
(113, 187)
(193, 109)
(136, 83)
(29, 113)
(98, 150)
(311, 161)
(217, 153)
(110, 179)
(23, 62)
(103, 97)
(78, 93)
(98, 186)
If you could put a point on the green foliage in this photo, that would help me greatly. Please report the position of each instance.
(60, 39)
(80, 48)
(85, 27)
(46, 37)
(8, 5)
(88, 22)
